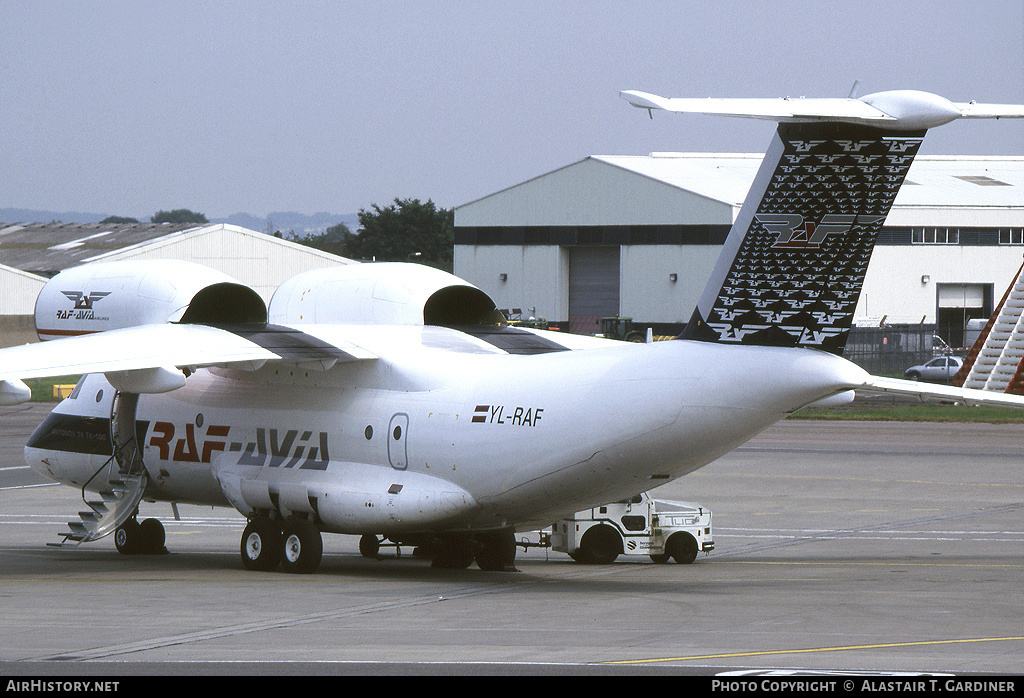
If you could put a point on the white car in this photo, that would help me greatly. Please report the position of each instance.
(940, 370)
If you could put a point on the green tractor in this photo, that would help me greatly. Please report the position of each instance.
(620, 328)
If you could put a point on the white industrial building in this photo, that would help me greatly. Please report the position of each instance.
(637, 236)
(30, 253)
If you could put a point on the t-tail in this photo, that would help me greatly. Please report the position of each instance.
(791, 271)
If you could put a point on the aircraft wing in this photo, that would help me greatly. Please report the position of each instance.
(150, 358)
(950, 393)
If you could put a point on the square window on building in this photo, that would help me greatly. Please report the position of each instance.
(1011, 236)
(935, 236)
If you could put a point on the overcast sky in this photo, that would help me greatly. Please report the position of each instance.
(127, 107)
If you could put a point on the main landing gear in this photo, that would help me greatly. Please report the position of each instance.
(296, 545)
(493, 551)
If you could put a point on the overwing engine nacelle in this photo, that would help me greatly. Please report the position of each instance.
(390, 293)
(112, 295)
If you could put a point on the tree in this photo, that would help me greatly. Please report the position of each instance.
(179, 216)
(406, 231)
(116, 220)
(332, 241)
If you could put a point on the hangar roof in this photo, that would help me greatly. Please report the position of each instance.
(936, 180)
(724, 177)
(47, 248)
(575, 195)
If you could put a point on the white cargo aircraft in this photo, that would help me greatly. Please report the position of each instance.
(392, 400)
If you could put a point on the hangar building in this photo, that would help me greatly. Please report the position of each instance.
(31, 253)
(637, 236)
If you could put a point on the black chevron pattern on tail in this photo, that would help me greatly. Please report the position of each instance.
(797, 275)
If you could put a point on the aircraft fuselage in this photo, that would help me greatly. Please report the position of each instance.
(440, 433)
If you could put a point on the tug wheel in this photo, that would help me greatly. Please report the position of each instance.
(683, 548)
(600, 545)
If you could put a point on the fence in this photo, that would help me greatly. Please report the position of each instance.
(891, 349)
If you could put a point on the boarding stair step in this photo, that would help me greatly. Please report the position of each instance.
(117, 503)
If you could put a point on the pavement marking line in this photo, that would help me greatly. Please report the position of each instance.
(763, 653)
(903, 481)
(852, 563)
(26, 487)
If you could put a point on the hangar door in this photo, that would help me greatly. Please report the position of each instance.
(958, 303)
(593, 287)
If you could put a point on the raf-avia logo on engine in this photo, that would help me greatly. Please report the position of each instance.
(83, 308)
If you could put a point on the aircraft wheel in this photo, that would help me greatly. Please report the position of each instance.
(127, 537)
(152, 536)
(683, 548)
(369, 546)
(497, 550)
(303, 547)
(600, 545)
(261, 545)
(454, 552)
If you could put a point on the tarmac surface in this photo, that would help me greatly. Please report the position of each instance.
(847, 547)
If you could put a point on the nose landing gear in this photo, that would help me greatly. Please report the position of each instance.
(145, 538)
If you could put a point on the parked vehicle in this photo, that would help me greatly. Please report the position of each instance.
(638, 526)
(940, 370)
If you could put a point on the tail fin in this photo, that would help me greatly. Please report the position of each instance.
(792, 268)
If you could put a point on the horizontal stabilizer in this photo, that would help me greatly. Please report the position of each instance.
(771, 109)
(973, 110)
(943, 393)
(898, 109)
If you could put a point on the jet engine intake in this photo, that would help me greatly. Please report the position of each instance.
(112, 295)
